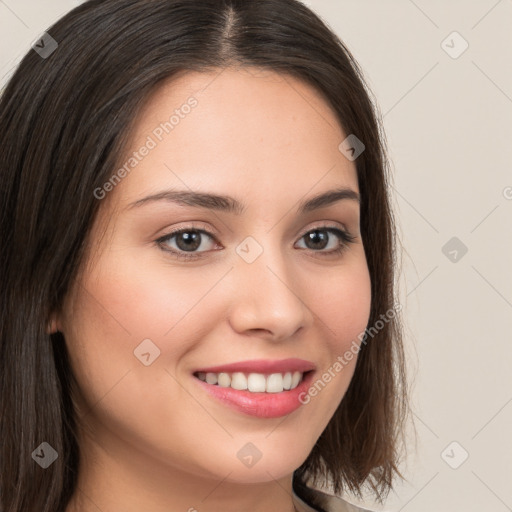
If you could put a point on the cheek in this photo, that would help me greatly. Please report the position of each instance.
(141, 298)
(122, 303)
(117, 307)
(342, 303)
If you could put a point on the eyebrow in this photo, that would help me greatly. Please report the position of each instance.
(231, 205)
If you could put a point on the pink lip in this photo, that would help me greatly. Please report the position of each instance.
(265, 366)
(261, 405)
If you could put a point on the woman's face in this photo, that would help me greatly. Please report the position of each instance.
(261, 287)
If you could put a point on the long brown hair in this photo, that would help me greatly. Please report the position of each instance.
(64, 120)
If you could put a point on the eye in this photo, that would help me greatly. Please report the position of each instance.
(320, 238)
(184, 243)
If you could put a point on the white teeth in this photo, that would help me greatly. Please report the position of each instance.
(275, 383)
(296, 379)
(211, 378)
(224, 380)
(254, 382)
(238, 381)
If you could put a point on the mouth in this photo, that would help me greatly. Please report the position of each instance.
(254, 382)
(265, 389)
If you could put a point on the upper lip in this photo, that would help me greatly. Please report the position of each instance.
(266, 366)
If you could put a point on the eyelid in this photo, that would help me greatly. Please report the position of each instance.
(190, 226)
(325, 225)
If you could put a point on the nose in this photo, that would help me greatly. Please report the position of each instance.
(267, 299)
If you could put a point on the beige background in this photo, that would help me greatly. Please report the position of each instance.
(448, 122)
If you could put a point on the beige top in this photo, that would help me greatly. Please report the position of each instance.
(334, 504)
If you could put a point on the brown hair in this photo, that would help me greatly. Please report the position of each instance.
(64, 121)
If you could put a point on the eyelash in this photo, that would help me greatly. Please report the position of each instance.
(344, 236)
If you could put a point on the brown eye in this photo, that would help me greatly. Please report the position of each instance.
(184, 243)
(188, 240)
(318, 239)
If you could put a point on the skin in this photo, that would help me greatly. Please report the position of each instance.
(151, 438)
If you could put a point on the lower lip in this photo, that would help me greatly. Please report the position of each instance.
(262, 405)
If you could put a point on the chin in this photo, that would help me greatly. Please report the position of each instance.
(252, 465)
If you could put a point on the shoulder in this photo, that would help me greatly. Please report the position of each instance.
(330, 503)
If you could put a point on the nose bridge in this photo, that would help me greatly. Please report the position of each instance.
(266, 296)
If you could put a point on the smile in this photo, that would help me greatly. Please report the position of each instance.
(262, 388)
(253, 382)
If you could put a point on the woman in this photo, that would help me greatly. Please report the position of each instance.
(197, 266)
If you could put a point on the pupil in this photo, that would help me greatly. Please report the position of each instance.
(316, 237)
(191, 239)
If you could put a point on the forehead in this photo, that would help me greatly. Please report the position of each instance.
(256, 132)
